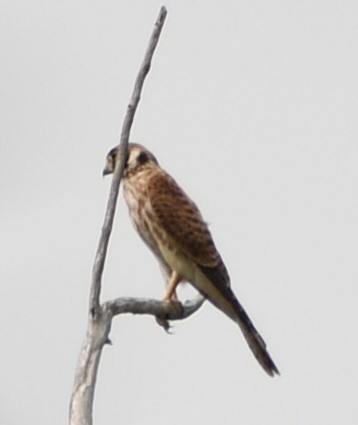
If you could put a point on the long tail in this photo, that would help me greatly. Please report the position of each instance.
(222, 296)
(254, 339)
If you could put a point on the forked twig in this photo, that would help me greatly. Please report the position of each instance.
(101, 315)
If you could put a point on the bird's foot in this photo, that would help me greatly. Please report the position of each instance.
(164, 323)
(163, 320)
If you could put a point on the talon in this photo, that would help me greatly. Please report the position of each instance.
(164, 323)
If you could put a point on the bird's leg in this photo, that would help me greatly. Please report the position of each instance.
(171, 296)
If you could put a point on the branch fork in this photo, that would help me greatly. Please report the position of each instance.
(101, 315)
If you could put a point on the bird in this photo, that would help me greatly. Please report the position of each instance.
(173, 228)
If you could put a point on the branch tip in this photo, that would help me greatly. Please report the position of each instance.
(163, 13)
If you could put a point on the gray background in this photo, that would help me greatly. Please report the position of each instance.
(252, 107)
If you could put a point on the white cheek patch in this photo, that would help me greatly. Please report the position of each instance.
(132, 160)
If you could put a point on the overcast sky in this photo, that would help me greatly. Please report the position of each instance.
(252, 107)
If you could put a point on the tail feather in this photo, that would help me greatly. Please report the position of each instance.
(221, 295)
(255, 341)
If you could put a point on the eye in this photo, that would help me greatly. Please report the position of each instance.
(113, 152)
(142, 158)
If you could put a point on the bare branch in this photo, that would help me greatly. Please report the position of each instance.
(100, 319)
(81, 405)
(97, 336)
(98, 266)
(153, 307)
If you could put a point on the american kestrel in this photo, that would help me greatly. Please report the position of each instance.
(171, 225)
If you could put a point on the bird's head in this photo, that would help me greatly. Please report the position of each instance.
(138, 158)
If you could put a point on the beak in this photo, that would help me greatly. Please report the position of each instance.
(106, 171)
